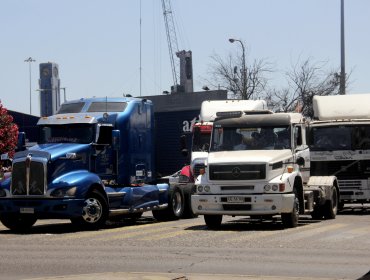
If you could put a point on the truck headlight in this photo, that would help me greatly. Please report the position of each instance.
(207, 188)
(63, 192)
(275, 187)
(200, 188)
(267, 188)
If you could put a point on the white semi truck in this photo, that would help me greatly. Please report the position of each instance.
(340, 144)
(258, 166)
(202, 129)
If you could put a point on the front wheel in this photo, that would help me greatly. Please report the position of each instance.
(18, 222)
(290, 220)
(213, 221)
(94, 212)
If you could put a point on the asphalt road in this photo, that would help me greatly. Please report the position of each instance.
(186, 249)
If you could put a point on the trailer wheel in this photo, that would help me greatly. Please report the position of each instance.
(290, 220)
(213, 221)
(175, 207)
(331, 206)
(18, 222)
(94, 212)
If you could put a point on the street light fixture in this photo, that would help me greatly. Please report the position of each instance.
(244, 70)
(29, 60)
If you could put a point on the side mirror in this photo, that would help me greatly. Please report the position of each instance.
(21, 144)
(300, 161)
(116, 140)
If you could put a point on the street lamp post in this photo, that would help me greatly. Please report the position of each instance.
(342, 82)
(29, 60)
(244, 70)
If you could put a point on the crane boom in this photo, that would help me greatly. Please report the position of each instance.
(171, 39)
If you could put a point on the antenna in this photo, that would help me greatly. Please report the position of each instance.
(140, 50)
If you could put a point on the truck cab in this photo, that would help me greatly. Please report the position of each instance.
(94, 160)
(340, 144)
(258, 166)
(201, 139)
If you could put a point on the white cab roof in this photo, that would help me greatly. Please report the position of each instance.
(211, 107)
(339, 107)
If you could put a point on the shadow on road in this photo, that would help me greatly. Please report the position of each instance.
(65, 226)
(355, 209)
(247, 224)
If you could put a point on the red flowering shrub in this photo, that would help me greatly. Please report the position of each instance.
(8, 132)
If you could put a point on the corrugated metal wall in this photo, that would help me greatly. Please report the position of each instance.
(169, 126)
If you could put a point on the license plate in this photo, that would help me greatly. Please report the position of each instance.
(27, 210)
(235, 199)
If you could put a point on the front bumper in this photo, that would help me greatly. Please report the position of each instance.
(43, 208)
(261, 204)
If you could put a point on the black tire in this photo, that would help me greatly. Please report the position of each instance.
(290, 220)
(213, 221)
(175, 207)
(331, 206)
(18, 222)
(188, 212)
(94, 212)
(317, 213)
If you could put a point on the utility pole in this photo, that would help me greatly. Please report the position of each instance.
(342, 85)
(29, 60)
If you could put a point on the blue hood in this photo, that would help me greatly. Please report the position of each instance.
(57, 150)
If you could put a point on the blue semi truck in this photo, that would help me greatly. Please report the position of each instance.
(94, 161)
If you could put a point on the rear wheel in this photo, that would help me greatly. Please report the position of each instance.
(94, 212)
(188, 211)
(175, 207)
(18, 222)
(331, 206)
(317, 213)
(213, 221)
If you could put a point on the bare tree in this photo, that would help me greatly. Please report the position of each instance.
(305, 80)
(229, 74)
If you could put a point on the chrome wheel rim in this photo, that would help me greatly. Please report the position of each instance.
(92, 210)
(176, 203)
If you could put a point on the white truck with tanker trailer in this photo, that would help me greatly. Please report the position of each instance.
(258, 165)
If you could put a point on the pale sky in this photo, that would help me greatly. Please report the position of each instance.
(97, 43)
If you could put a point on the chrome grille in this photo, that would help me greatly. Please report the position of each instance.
(238, 172)
(19, 179)
(28, 179)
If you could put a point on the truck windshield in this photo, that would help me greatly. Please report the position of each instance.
(350, 137)
(201, 138)
(71, 133)
(250, 138)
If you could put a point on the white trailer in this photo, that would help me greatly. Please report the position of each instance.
(340, 143)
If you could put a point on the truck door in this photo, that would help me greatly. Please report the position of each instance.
(104, 163)
(301, 150)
